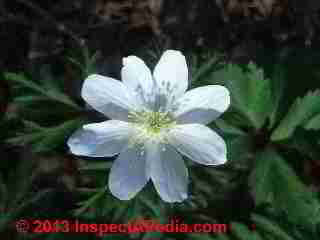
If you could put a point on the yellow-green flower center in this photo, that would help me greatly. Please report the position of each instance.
(151, 124)
(155, 121)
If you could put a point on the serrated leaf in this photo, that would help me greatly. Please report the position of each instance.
(55, 136)
(51, 94)
(250, 92)
(277, 91)
(46, 139)
(273, 182)
(204, 69)
(313, 123)
(21, 79)
(304, 142)
(301, 111)
(87, 65)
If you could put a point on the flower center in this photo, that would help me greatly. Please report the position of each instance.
(152, 124)
(155, 121)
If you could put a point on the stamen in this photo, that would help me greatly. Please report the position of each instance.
(150, 125)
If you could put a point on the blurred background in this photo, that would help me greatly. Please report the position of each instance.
(265, 51)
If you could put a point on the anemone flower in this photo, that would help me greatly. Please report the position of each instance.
(153, 120)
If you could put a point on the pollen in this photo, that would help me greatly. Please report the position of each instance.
(152, 125)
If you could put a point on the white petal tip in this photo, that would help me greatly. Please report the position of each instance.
(170, 51)
(221, 161)
(120, 194)
(88, 83)
(92, 77)
(228, 97)
(74, 147)
(224, 93)
(179, 199)
(122, 198)
(218, 161)
(125, 60)
(131, 59)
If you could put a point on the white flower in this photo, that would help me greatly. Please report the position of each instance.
(153, 120)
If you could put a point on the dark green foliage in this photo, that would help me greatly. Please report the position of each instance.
(268, 190)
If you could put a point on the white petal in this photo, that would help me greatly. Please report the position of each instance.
(108, 96)
(202, 104)
(137, 76)
(168, 172)
(128, 174)
(199, 143)
(171, 73)
(103, 139)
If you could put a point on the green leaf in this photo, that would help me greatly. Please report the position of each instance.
(87, 63)
(56, 136)
(301, 111)
(228, 128)
(205, 68)
(89, 203)
(21, 79)
(313, 123)
(270, 227)
(46, 139)
(250, 91)
(273, 182)
(277, 91)
(29, 99)
(240, 151)
(153, 207)
(242, 232)
(61, 97)
(25, 139)
(304, 143)
(51, 94)
(14, 212)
